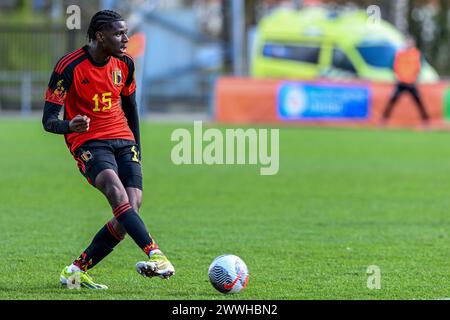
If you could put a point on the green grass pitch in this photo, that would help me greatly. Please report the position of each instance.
(343, 200)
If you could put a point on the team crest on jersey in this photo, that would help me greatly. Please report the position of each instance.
(86, 156)
(117, 77)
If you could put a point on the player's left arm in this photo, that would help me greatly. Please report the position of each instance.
(129, 105)
(130, 109)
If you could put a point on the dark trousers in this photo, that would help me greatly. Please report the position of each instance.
(412, 89)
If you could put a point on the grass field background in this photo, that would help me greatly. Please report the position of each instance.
(343, 200)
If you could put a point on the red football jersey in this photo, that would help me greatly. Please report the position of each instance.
(85, 87)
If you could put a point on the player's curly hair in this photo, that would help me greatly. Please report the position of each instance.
(100, 20)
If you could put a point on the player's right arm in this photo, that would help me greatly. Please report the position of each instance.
(55, 97)
(52, 123)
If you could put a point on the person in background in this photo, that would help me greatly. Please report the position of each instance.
(407, 66)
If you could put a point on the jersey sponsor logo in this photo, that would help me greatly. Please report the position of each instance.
(117, 77)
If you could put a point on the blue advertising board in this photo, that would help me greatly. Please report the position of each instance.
(299, 101)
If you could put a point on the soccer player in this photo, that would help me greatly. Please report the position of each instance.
(407, 65)
(95, 85)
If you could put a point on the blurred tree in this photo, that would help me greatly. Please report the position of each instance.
(441, 46)
(430, 25)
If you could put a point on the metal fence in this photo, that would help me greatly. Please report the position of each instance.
(28, 57)
(176, 74)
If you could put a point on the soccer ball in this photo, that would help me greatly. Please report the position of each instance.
(228, 273)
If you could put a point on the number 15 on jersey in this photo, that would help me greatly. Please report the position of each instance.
(106, 101)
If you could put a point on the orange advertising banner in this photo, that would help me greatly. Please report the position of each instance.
(265, 101)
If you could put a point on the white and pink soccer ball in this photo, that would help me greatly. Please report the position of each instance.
(228, 273)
